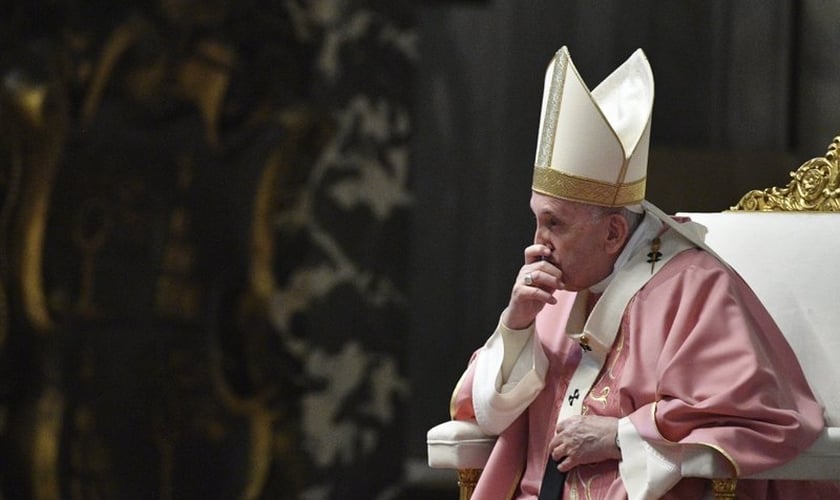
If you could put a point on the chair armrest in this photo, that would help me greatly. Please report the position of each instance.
(461, 444)
(819, 462)
(458, 444)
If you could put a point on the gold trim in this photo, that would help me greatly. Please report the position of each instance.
(720, 450)
(726, 455)
(562, 185)
(815, 186)
(552, 104)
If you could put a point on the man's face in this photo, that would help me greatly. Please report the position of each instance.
(579, 240)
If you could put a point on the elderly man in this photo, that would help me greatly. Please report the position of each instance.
(629, 354)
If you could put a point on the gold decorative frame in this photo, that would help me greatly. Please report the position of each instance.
(815, 186)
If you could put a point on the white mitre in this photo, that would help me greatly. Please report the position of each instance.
(593, 146)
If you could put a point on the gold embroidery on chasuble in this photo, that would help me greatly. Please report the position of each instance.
(599, 396)
(580, 487)
(616, 353)
(602, 396)
(592, 481)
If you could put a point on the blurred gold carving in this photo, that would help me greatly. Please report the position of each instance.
(122, 38)
(35, 131)
(253, 306)
(48, 421)
(815, 186)
(89, 458)
(4, 330)
(724, 488)
(176, 293)
(93, 223)
(177, 297)
(7, 192)
(467, 479)
(36, 113)
(201, 78)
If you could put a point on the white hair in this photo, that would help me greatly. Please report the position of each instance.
(632, 218)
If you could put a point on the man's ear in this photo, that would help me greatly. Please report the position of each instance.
(618, 231)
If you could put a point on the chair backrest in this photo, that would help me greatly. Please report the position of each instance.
(784, 242)
(792, 262)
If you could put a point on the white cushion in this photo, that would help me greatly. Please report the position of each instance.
(820, 461)
(458, 444)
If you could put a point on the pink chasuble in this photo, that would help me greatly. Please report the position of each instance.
(680, 371)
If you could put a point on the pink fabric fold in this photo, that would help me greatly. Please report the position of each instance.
(697, 360)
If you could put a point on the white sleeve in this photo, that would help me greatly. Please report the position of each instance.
(649, 470)
(510, 372)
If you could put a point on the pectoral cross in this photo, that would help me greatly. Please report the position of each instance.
(583, 342)
(575, 395)
(654, 255)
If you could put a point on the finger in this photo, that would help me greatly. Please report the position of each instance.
(548, 278)
(562, 424)
(556, 463)
(548, 267)
(555, 443)
(536, 253)
(535, 293)
(557, 449)
(566, 463)
(552, 275)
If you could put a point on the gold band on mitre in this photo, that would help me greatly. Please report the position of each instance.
(554, 183)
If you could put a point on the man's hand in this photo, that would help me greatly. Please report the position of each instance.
(535, 285)
(584, 439)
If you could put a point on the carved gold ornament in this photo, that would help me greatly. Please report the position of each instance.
(815, 186)
(724, 488)
(467, 480)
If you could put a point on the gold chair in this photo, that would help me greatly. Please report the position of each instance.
(764, 228)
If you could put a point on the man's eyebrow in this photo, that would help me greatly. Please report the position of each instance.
(553, 217)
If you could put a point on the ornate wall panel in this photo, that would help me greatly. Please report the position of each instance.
(341, 299)
(203, 237)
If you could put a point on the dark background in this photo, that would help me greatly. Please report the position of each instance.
(248, 247)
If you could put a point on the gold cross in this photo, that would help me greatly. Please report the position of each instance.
(583, 342)
(655, 254)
